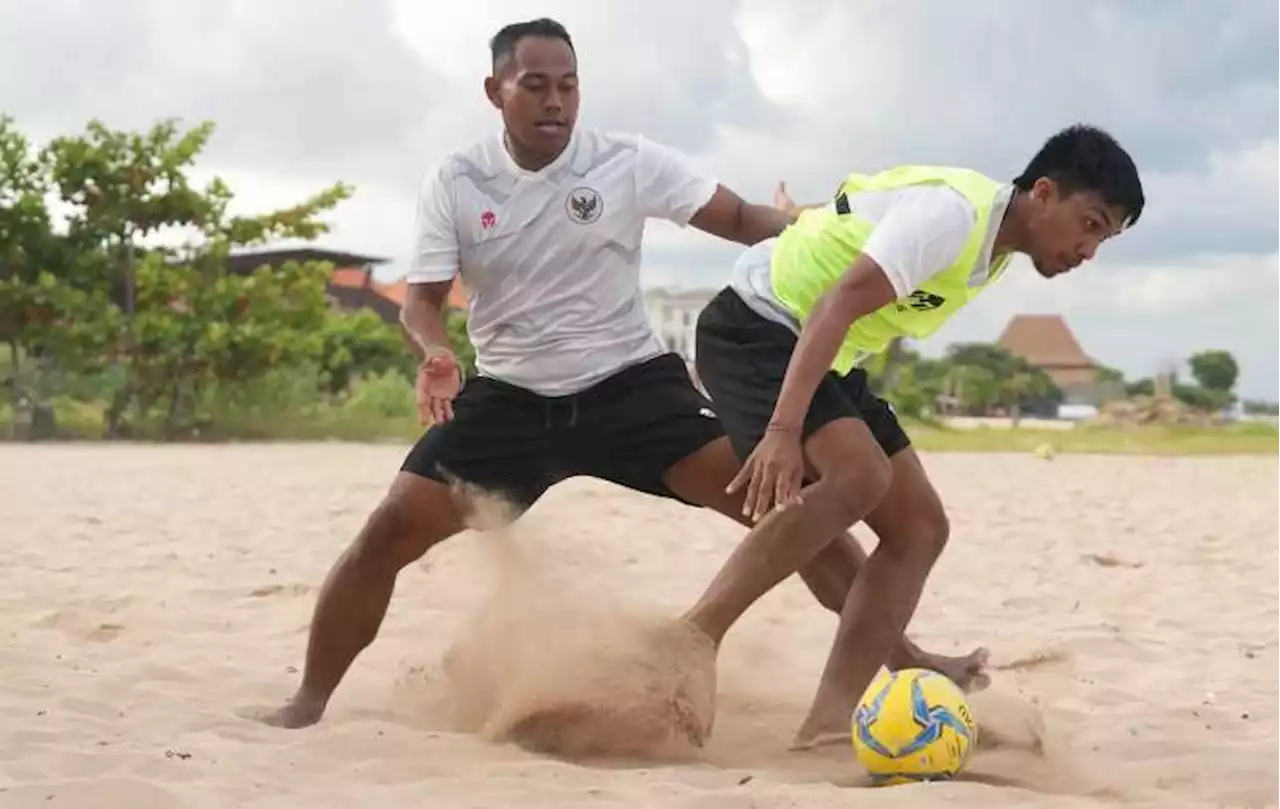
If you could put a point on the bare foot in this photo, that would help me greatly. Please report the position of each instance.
(813, 741)
(969, 672)
(296, 713)
(829, 722)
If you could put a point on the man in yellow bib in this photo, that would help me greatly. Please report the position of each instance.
(895, 254)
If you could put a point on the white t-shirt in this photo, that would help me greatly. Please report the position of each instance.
(919, 232)
(551, 259)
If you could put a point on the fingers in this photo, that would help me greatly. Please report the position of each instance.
(740, 480)
(441, 410)
(787, 489)
(771, 486)
(751, 506)
(424, 406)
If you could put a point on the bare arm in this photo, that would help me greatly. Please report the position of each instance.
(863, 289)
(422, 316)
(730, 217)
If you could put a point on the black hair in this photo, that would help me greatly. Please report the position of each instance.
(1085, 158)
(503, 44)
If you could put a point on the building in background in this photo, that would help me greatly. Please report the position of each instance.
(674, 315)
(1046, 342)
(352, 285)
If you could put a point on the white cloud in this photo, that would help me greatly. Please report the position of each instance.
(308, 93)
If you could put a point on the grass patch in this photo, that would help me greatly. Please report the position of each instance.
(286, 406)
(1231, 439)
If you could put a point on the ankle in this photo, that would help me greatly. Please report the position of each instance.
(310, 698)
(705, 622)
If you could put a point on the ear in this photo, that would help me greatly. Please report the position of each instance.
(493, 89)
(1043, 190)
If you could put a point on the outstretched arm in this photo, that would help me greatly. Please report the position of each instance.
(729, 216)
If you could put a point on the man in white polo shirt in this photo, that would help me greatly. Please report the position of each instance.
(544, 223)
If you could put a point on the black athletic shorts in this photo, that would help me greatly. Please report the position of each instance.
(629, 429)
(742, 359)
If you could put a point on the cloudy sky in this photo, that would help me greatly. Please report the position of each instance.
(308, 92)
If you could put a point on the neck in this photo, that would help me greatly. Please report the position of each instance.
(1012, 235)
(529, 161)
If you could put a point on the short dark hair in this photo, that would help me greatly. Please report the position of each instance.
(503, 44)
(1085, 158)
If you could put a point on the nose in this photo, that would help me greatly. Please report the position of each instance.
(1087, 250)
(553, 102)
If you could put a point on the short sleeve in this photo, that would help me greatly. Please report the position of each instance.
(435, 252)
(668, 186)
(920, 235)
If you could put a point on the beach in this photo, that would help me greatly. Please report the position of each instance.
(156, 597)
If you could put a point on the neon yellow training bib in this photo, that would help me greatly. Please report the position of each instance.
(812, 254)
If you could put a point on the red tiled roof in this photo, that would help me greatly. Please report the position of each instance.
(349, 277)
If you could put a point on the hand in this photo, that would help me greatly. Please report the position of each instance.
(773, 473)
(439, 380)
(782, 200)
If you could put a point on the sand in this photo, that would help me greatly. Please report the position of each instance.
(154, 596)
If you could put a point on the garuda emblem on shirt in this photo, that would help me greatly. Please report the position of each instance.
(584, 205)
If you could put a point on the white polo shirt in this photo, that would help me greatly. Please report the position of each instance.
(551, 259)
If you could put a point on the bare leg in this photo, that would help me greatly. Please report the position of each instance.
(829, 578)
(854, 476)
(702, 477)
(913, 530)
(416, 514)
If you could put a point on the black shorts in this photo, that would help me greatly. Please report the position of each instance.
(628, 429)
(742, 359)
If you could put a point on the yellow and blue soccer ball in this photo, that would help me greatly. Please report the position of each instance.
(913, 725)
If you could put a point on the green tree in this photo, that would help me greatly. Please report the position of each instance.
(1023, 386)
(1006, 378)
(1140, 387)
(25, 236)
(1214, 370)
(359, 343)
(164, 322)
(1198, 397)
(49, 306)
(1256, 407)
(977, 387)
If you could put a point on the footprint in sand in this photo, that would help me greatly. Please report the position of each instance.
(294, 590)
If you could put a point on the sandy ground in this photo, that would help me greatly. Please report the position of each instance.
(153, 595)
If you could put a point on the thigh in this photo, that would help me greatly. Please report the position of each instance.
(497, 441)
(876, 412)
(638, 424)
(742, 360)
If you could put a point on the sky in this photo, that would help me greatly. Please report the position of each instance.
(308, 92)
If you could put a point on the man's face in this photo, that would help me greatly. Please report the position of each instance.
(537, 91)
(1065, 231)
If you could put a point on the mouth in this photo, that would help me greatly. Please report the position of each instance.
(551, 127)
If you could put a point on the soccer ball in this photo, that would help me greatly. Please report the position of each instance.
(913, 725)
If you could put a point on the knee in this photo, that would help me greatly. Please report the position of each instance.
(858, 485)
(926, 538)
(933, 533)
(395, 535)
